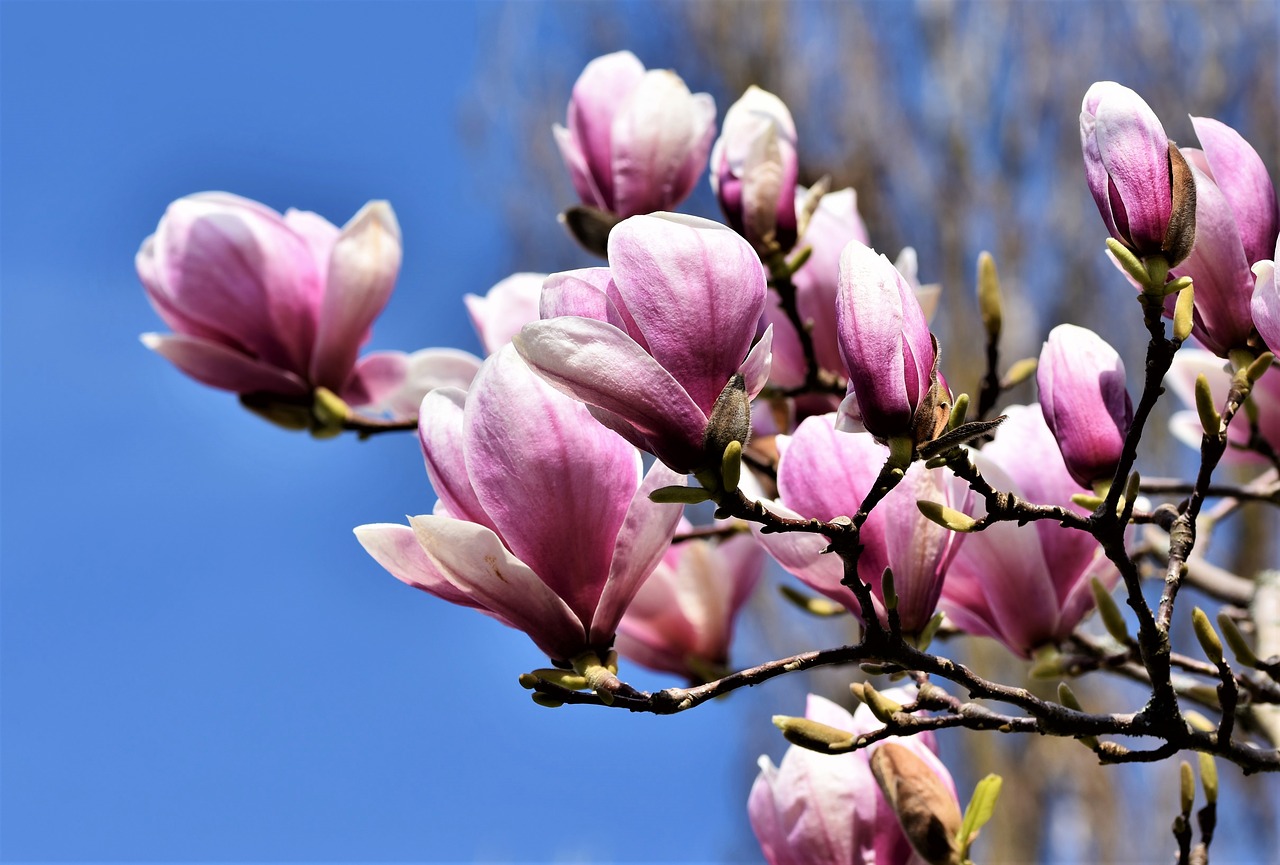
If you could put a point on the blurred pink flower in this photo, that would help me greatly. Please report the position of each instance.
(682, 619)
(824, 474)
(499, 314)
(636, 141)
(515, 465)
(1185, 425)
(651, 342)
(821, 809)
(753, 170)
(1026, 586)
(271, 304)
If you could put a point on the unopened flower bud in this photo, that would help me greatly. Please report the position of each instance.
(813, 735)
(1187, 787)
(753, 170)
(989, 303)
(1207, 636)
(948, 518)
(1239, 647)
(926, 810)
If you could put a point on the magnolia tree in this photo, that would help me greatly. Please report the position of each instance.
(779, 369)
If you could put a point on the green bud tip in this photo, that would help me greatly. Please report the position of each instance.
(1067, 697)
(1047, 663)
(679, 495)
(925, 637)
(1157, 267)
(1020, 372)
(1207, 636)
(528, 681)
(1127, 260)
(546, 700)
(880, 705)
(946, 517)
(1235, 639)
(989, 296)
(814, 735)
(887, 589)
(329, 410)
(901, 451)
(1109, 612)
(1187, 784)
(1087, 501)
(1200, 722)
(1183, 316)
(814, 606)
(1210, 420)
(1131, 487)
(959, 409)
(1209, 777)
(731, 466)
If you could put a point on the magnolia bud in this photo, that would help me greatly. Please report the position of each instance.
(927, 811)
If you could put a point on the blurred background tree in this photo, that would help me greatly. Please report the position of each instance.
(957, 124)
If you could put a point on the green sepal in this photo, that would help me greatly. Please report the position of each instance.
(1210, 420)
(731, 466)
(1256, 369)
(929, 631)
(959, 409)
(880, 705)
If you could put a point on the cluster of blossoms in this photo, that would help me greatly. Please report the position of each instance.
(781, 336)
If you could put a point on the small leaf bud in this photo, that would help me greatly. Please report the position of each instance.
(679, 495)
(887, 589)
(1207, 636)
(731, 466)
(1019, 372)
(880, 705)
(1244, 655)
(948, 518)
(1109, 612)
(813, 735)
(989, 296)
(1187, 787)
(1127, 260)
(814, 606)
(1209, 777)
(1210, 420)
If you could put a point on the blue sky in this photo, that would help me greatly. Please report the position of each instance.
(199, 662)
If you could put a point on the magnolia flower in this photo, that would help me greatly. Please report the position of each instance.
(515, 465)
(892, 359)
(653, 341)
(267, 304)
(1085, 402)
(681, 620)
(824, 474)
(636, 140)
(1189, 363)
(1138, 178)
(1236, 227)
(754, 168)
(834, 223)
(1265, 304)
(821, 809)
(1026, 586)
(505, 308)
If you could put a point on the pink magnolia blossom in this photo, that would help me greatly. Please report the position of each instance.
(820, 809)
(504, 309)
(834, 223)
(682, 619)
(516, 465)
(1265, 302)
(1026, 586)
(271, 304)
(824, 474)
(636, 141)
(1185, 425)
(1085, 401)
(1236, 227)
(1137, 179)
(888, 351)
(652, 341)
(754, 168)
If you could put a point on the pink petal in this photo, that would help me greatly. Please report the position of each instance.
(235, 267)
(1239, 172)
(577, 292)
(473, 559)
(403, 380)
(579, 172)
(539, 463)
(696, 290)
(362, 273)
(319, 233)
(441, 435)
(600, 90)
(600, 365)
(644, 536)
(755, 369)
(396, 548)
(216, 365)
(507, 307)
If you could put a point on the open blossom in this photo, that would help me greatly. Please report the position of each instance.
(267, 304)
(1085, 401)
(821, 809)
(499, 314)
(754, 168)
(1265, 303)
(651, 342)
(1185, 425)
(636, 141)
(515, 465)
(824, 474)
(1139, 180)
(1026, 586)
(682, 619)
(1236, 227)
(894, 387)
